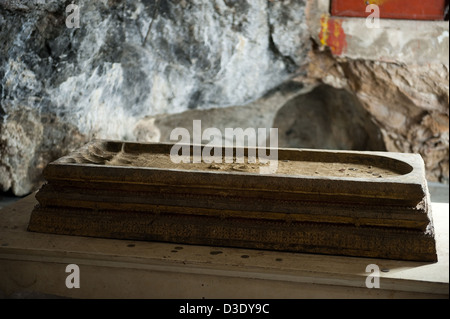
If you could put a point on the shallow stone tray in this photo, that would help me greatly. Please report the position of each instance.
(368, 204)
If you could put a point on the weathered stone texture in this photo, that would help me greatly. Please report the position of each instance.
(409, 103)
(61, 86)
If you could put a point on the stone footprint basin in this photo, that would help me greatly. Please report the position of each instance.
(343, 176)
(311, 192)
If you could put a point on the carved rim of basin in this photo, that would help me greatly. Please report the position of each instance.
(379, 178)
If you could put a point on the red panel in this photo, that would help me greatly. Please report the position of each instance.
(391, 9)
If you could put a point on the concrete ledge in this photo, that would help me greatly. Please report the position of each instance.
(399, 41)
(33, 265)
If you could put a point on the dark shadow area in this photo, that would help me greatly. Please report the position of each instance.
(7, 198)
(327, 118)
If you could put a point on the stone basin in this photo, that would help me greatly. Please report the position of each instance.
(370, 204)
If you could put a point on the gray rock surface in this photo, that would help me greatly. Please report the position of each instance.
(258, 114)
(62, 86)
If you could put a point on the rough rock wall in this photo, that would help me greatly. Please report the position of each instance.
(409, 103)
(62, 86)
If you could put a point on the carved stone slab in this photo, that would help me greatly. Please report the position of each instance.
(368, 204)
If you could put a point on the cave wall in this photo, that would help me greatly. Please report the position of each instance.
(399, 72)
(62, 86)
(230, 63)
(408, 103)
